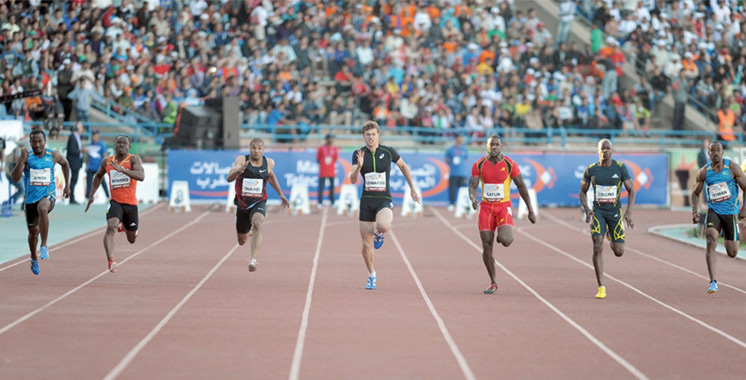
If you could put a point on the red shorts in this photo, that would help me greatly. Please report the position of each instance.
(495, 215)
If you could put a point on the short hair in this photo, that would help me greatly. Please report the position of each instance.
(370, 124)
(715, 142)
(494, 136)
(37, 131)
(256, 140)
(125, 136)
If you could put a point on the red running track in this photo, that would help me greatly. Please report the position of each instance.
(184, 306)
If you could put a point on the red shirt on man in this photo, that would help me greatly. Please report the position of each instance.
(327, 158)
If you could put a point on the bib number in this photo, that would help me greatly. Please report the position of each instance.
(375, 182)
(494, 192)
(40, 177)
(252, 187)
(119, 180)
(605, 194)
(719, 192)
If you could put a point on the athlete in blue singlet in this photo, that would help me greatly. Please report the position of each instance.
(722, 178)
(38, 171)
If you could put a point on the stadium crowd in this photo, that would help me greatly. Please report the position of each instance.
(436, 64)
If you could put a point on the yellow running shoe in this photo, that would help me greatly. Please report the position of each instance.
(601, 292)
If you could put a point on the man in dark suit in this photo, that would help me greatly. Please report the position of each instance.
(75, 158)
(703, 157)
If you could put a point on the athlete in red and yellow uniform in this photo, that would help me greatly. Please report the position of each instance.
(124, 170)
(496, 172)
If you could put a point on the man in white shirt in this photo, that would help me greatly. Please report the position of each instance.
(567, 15)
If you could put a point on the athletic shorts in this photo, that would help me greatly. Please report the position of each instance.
(608, 220)
(32, 210)
(369, 207)
(244, 217)
(727, 224)
(495, 215)
(127, 214)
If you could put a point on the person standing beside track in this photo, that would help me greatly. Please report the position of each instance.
(496, 172)
(723, 177)
(124, 170)
(607, 177)
(38, 172)
(251, 173)
(373, 162)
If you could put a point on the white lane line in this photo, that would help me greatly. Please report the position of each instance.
(75, 289)
(64, 244)
(135, 350)
(465, 369)
(298, 354)
(640, 292)
(584, 231)
(608, 351)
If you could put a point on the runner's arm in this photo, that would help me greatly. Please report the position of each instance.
(523, 190)
(583, 195)
(59, 159)
(355, 170)
(97, 179)
(473, 183)
(408, 175)
(17, 171)
(238, 167)
(275, 183)
(631, 193)
(740, 178)
(698, 186)
(137, 172)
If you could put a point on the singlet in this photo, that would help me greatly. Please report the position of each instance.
(251, 185)
(39, 177)
(376, 170)
(607, 183)
(496, 178)
(721, 190)
(123, 187)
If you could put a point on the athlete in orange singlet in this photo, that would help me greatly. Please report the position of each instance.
(496, 171)
(124, 170)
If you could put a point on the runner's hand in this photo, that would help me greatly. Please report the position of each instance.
(628, 219)
(88, 205)
(116, 166)
(360, 158)
(531, 217)
(66, 192)
(415, 196)
(695, 217)
(588, 216)
(742, 213)
(285, 202)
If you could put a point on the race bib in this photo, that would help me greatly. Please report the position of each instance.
(605, 194)
(375, 182)
(40, 177)
(494, 192)
(456, 160)
(252, 187)
(719, 192)
(119, 180)
(328, 160)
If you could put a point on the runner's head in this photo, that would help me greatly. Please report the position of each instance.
(122, 145)
(256, 149)
(494, 146)
(371, 134)
(604, 149)
(38, 140)
(716, 152)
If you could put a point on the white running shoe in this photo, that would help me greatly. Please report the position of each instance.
(252, 265)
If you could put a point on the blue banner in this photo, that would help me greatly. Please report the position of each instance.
(555, 176)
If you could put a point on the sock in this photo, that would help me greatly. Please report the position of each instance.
(372, 274)
(375, 232)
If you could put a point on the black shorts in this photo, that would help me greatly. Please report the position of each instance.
(608, 220)
(369, 207)
(32, 210)
(244, 217)
(127, 214)
(727, 224)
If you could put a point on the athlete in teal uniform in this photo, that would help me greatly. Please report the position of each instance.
(607, 177)
(722, 177)
(38, 171)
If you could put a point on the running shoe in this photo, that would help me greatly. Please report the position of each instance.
(35, 266)
(492, 289)
(371, 284)
(378, 241)
(112, 266)
(44, 253)
(713, 287)
(601, 292)
(252, 265)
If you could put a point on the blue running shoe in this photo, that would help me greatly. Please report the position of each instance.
(35, 266)
(44, 253)
(713, 287)
(378, 241)
(371, 284)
